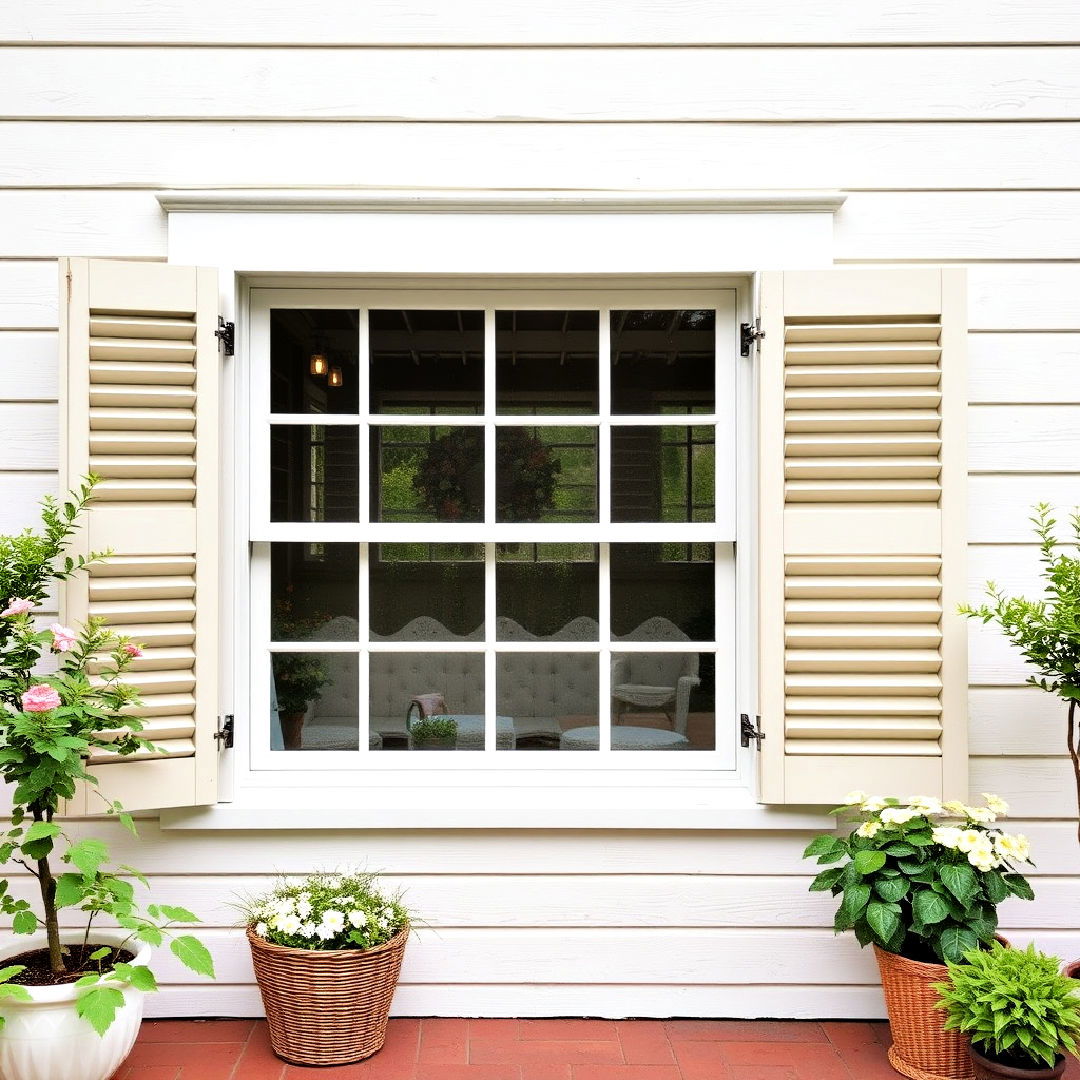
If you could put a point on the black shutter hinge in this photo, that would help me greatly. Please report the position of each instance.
(226, 334)
(224, 733)
(750, 730)
(749, 335)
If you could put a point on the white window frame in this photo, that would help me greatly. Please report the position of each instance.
(722, 533)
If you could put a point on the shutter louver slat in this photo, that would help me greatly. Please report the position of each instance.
(141, 403)
(860, 388)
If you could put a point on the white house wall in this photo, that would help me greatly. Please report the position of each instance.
(966, 154)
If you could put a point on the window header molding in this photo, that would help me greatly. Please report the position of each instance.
(490, 201)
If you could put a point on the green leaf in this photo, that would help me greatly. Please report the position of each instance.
(852, 906)
(100, 954)
(866, 862)
(891, 889)
(25, 922)
(99, 1005)
(142, 978)
(928, 907)
(1018, 886)
(70, 890)
(10, 972)
(40, 830)
(954, 942)
(15, 992)
(826, 879)
(883, 920)
(996, 889)
(192, 953)
(178, 914)
(150, 934)
(87, 855)
(822, 845)
(959, 879)
(900, 848)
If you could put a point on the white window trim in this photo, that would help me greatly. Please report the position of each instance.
(281, 240)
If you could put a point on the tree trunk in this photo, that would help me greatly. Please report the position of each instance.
(47, 884)
(1074, 754)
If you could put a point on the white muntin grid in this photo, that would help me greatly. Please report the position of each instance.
(721, 533)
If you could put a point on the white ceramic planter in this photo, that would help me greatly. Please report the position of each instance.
(45, 1039)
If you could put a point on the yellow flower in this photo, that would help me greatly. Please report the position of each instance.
(955, 807)
(872, 804)
(898, 815)
(947, 836)
(969, 839)
(925, 804)
(997, 805)
(868, 828)
(983, 815)
(1012, 847)
(853, 798)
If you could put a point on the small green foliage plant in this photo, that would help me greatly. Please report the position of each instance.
(1047, 631)
(918, 877)
(1013, 1004)
(326, 911)
(50, 724)
(434, 729)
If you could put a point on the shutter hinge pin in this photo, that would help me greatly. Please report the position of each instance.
(226, 334)
(749, 335)
(224, 733)
(749, 730)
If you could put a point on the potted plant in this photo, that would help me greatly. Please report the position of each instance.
(298, 677)
(70, 1001)
(921, 882)
(327, 953)
(1022, 1016)
(1047, 632)
(433, 733)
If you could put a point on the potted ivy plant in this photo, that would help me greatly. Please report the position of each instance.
(1021, 1016)
(920, 880)
(433, 733)
(298, 677)
(70, 1000)
(1047, 632)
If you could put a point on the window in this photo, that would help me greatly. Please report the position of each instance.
(493, 522)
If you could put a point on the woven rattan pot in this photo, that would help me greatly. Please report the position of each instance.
(921, 1048)
(327, 1007)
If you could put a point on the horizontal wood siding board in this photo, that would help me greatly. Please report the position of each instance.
(28, 363)
(952, 83)
(28, 292)
(31, 437)
(48, 224)
(743, 156)
(1024, 438)
(390, 22)
(999, 506)
(1033, 787)
(1019, 296)
(1016, 721)
(1015, 369)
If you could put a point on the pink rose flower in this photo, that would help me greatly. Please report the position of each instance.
(132, 649)
(40, 698)
(63, 638)
(17, 607)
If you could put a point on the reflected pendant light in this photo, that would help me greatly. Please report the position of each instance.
(319, 364)
(335, 377)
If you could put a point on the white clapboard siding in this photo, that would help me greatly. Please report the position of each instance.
(48, 224)
(1015, 296)
(1016, 568)
(1024, 438)
(1007, 369)
(744, 156)
(1033, 787)
(565, 22)
(28, 293)
(507, 84)
(861, 669)
(999, 506)
(1016, 722)
(140, 358)
(28, 365)
(31, 435)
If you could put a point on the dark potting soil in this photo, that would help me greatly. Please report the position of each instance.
(76, 957)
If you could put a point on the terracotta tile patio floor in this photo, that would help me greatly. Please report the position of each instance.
(441, 1049)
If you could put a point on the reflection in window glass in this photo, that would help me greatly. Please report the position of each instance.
(313, 590)
(427, 474)
(547, 591)
(547, 361)
(413, 694)
(427, 362)
(313, 361)
(551, 699)
(313, 472)
(427, 592)
(663, 473)
(663, 361)
(314, 701)
(663, 701)
(546, 474)
(657, 598)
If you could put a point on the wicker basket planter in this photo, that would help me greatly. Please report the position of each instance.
(921, 1048)
(327, 1007)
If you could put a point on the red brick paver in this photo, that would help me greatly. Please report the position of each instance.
(441, 1049)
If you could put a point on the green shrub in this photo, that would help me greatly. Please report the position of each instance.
(434, 729)
(1014, 1005)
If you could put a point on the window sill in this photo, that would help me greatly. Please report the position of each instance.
(431, 808)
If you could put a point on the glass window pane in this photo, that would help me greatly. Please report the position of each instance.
(313, 590)
(314, 701)
(663, 701)
(550, 698)
(663, 592)
(313, 361)
(427, 474)
(427, 362)
(547, 591)
(413, 694)
(663, 474)
(427, 592)
(663, 361)
(547, 361)
(546, 474)
(313, 472)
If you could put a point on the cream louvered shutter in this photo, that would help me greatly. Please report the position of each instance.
(140, 386)
(862, 462)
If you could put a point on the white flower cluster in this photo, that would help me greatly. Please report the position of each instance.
(986, 849)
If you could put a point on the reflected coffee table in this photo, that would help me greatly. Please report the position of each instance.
(470, 731)
(624, 738)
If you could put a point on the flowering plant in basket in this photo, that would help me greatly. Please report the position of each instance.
(919, 877)
(327, 911)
